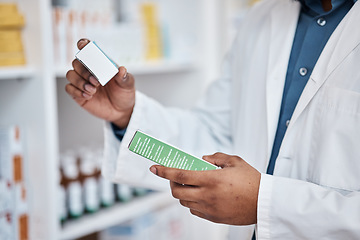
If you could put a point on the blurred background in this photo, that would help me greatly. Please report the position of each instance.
(51, 150)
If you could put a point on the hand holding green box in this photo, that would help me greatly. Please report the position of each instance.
(165, 154)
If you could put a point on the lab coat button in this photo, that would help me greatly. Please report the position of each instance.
(321, 22)
(287, 123)
(303, 71)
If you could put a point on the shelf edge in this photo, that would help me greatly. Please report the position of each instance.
(16, 72)
(115, 215)
(143, 69)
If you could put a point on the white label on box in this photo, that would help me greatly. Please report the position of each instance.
(97, 62)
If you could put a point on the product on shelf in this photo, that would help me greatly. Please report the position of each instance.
(89, 181)
(106, 188)
(14, 216)
(11, 46)
(72, 183)
(154, 48)
(123, 192)
(61, 199)
(83, 191)
(128, 40)
(165, 223)
(72, 21)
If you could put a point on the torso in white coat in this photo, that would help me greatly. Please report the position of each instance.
(322, 142)
(239, 114)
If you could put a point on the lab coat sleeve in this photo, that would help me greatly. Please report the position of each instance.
(294, 209)
(202, 130)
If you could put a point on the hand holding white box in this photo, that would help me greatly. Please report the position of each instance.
(97, 62)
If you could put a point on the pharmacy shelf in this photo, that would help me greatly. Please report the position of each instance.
(116, 214)
(16, 72)
(150, 68)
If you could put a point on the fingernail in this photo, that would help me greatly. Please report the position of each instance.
(153, 170)
(125, 75)
(94, 81)
(87, 96)
(81, 43)
(90, 88)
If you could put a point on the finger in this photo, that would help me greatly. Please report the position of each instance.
(82, 43)
(187, 177)
(204, 216)
(80, 83)
(79, 96)
(123, 79)
(184, 192)
(94, 81)
(81, 69)
(222, 160)
(190, 204)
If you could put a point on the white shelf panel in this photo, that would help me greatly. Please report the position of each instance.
(16, 72)
(160, 67)
(115, 215)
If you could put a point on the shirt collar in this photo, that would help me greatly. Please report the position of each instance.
(315, 5)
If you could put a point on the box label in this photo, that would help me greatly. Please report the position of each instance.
(165, 154)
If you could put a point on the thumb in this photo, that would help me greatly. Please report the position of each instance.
(220, 159)
(82, 43)
(124, 79)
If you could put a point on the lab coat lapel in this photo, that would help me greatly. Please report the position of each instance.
(280, 44)
(344, 39)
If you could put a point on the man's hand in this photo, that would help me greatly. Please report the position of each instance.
(228, 195)
(114, 102)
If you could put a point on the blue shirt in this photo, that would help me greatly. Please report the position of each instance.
(313, 31)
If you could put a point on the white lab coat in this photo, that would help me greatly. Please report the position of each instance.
(314, 193)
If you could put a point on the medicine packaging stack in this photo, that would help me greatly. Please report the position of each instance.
(14, 217)
(11, 45)
(154, 46)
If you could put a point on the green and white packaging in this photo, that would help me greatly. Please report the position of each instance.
(165, 154)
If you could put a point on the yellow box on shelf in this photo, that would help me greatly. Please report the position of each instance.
(153, 41)
(10, 16)
(11, 59)
(8, 8)
(14, 46)
(8, 21)
(10, 34)
(11, 46)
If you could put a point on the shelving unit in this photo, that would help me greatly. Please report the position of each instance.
(41, 107)
(115, 215)
(17, 72)
(150, 68)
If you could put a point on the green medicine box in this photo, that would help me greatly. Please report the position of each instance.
(165, 154)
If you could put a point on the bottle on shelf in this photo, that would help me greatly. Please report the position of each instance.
(124, 193)
(62, 209)
(106, 188)
(89, 180)
(72, 183)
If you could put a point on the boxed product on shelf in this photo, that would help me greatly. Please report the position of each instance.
(11, 155)
(153, 39)
(72, 21)
(14, 210)
(11, 45)
(128, 40)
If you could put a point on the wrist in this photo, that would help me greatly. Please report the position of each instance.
(124, 120)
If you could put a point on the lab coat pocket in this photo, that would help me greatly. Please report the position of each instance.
(335, 143)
